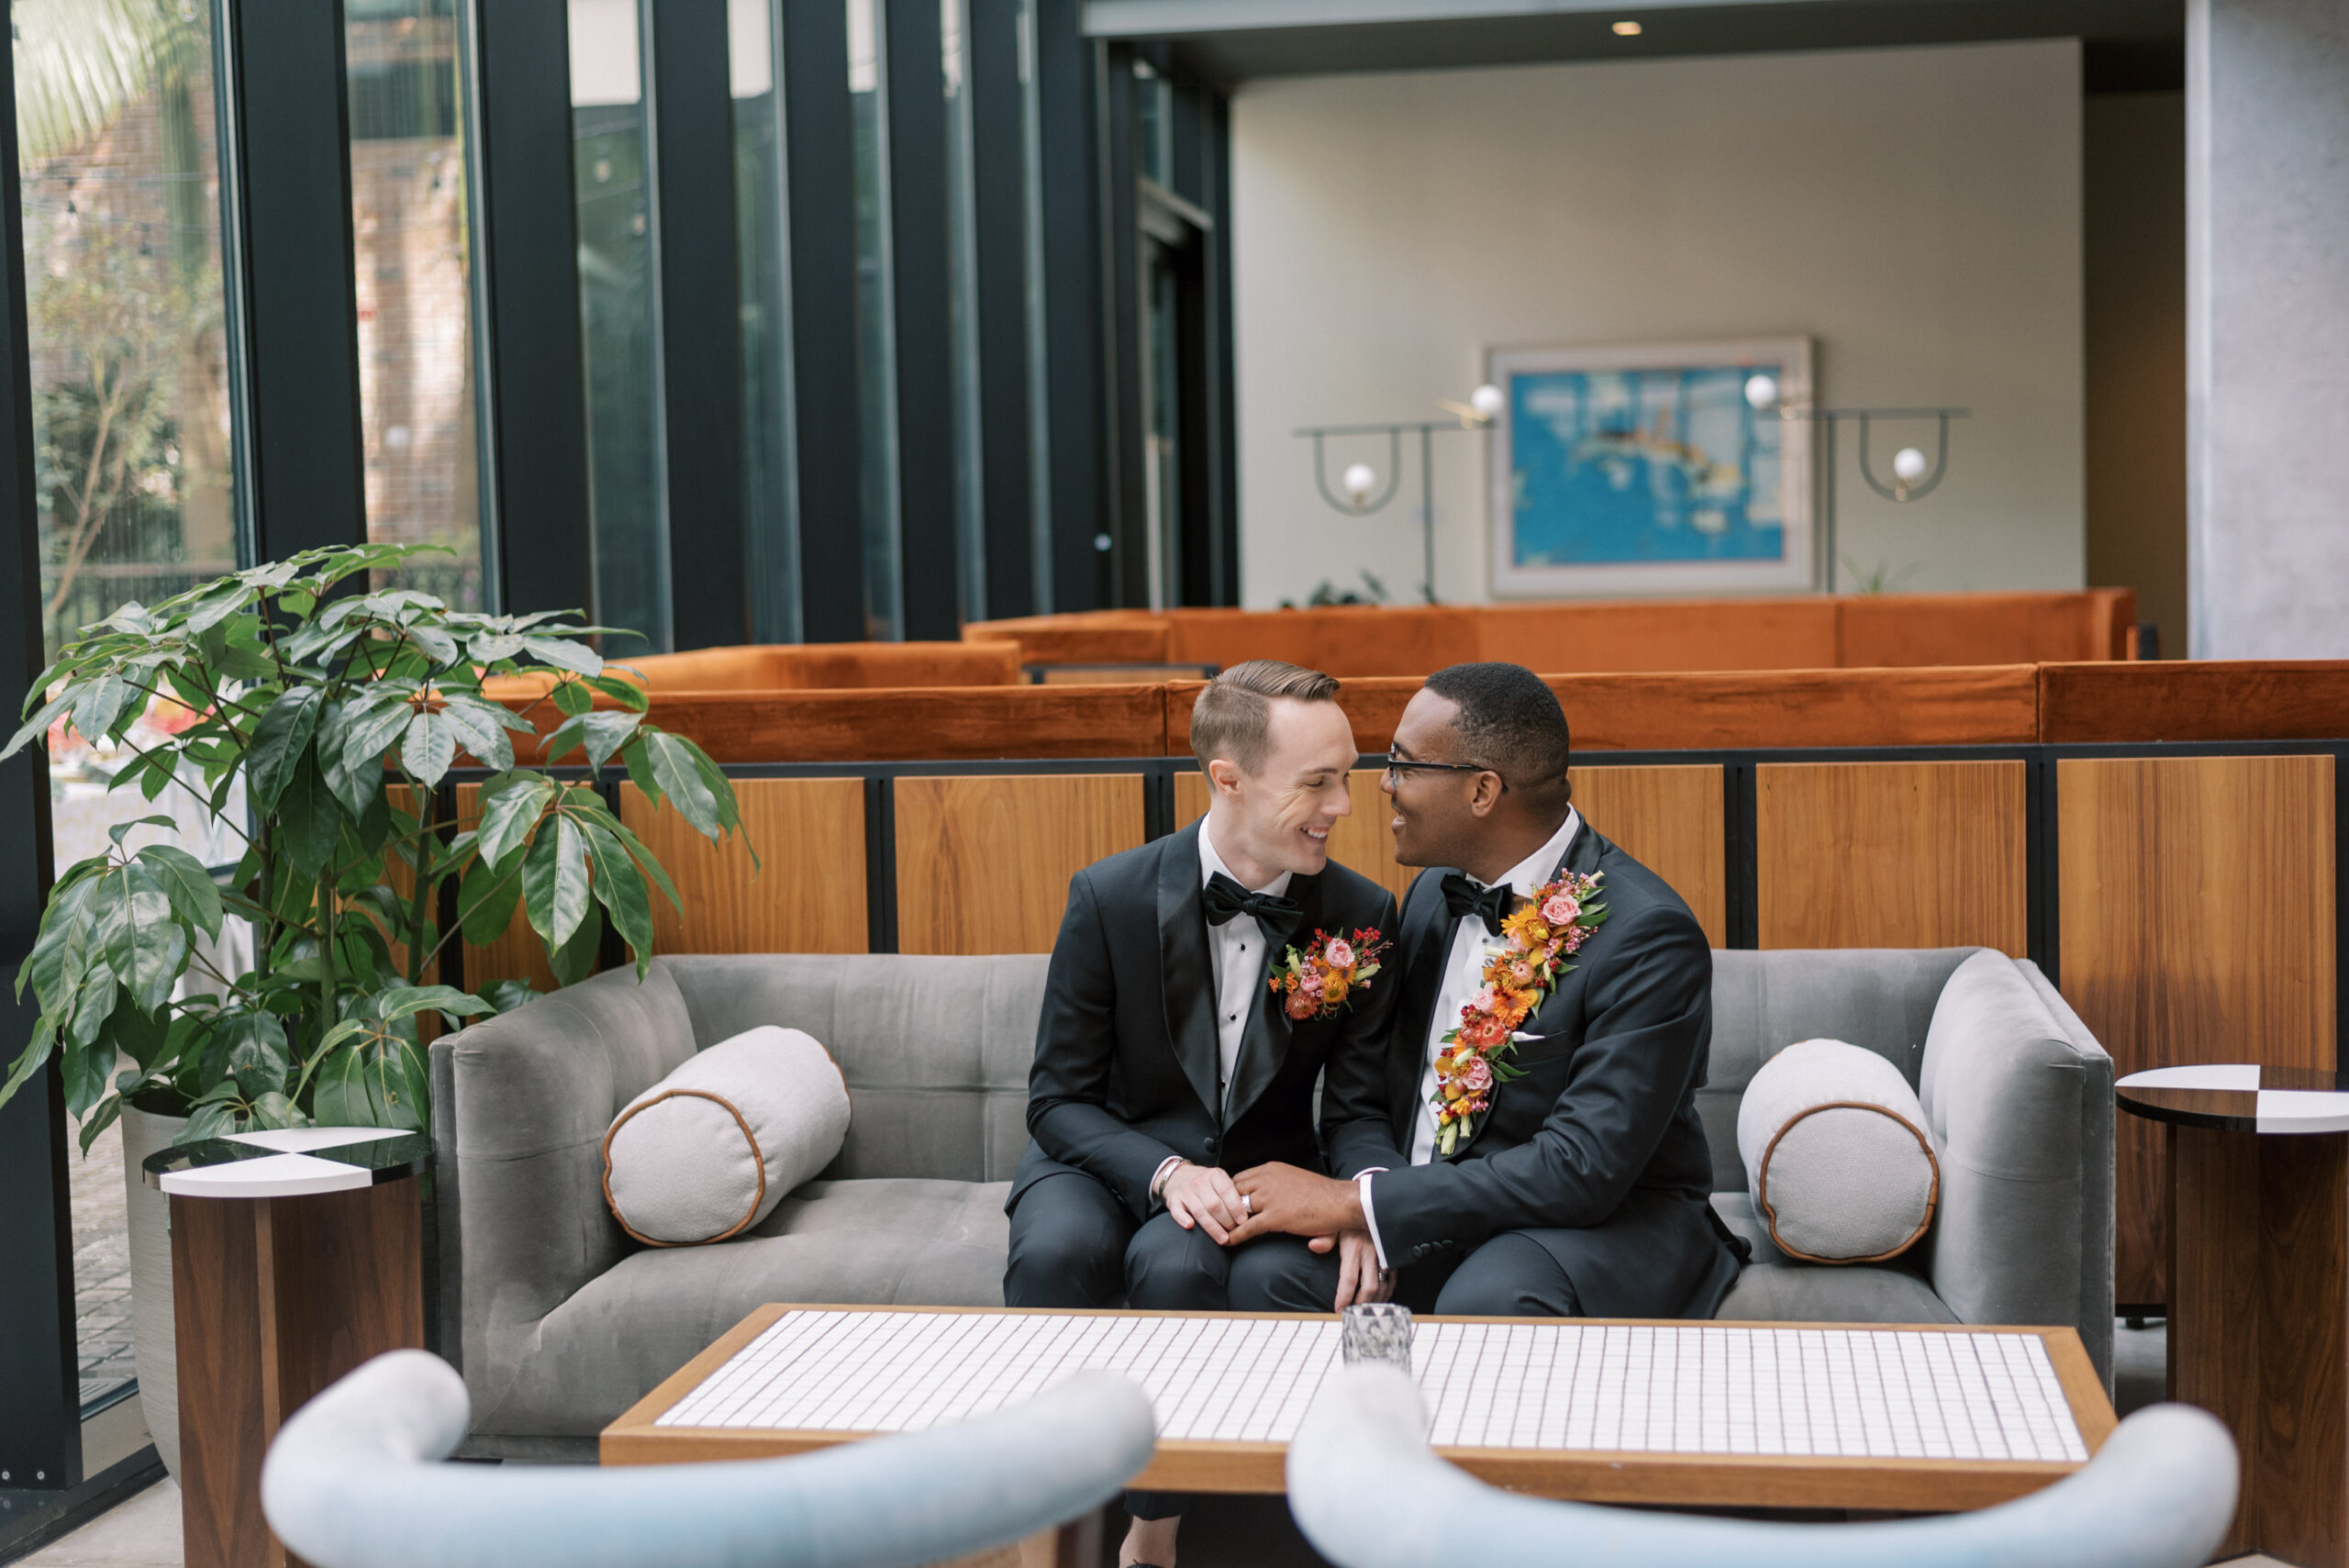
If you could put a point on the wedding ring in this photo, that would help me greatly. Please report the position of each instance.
(1247, 1205)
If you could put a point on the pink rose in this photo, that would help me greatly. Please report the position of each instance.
(1561, 909)
(1300, 1006)
(1311, 983)
(1339, 953)
(1487, 1001)
(1477, 1076)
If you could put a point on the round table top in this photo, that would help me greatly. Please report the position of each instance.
(290, 1162)
(2240, 1097)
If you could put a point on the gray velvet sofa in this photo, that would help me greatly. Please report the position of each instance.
(559, 1321)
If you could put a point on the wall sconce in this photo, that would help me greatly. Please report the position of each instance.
(1360, 479)
(1913, 479)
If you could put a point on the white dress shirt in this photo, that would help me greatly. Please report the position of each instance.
(1464, 976)
(1236, 956)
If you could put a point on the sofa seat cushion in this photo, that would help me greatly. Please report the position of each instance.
(881, 1242)
(1774, 1288)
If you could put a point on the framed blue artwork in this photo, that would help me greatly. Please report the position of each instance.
(1646, 469)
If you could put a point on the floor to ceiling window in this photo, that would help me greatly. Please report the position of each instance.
(963, 292)
(618, 301)
(131, 411)
(418, 425)
(763, 267)
(877, 355)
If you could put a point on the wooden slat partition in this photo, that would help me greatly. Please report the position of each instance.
(984, 861)
(1669, 819)
(2180, 699)
(808, 896)
(1892, 855)
(2196, 924)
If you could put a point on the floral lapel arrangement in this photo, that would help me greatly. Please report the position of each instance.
(1317, 983)
(1536, 937)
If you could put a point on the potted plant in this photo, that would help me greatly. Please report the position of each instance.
(316, 720)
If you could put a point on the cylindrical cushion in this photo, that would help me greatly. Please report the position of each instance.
(1836, 1154)
(712, 1148)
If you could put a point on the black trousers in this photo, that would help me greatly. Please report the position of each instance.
(1075, 1245)
(1512, 1275)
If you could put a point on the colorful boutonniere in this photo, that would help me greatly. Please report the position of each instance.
(1538, 933)
(1317, 983)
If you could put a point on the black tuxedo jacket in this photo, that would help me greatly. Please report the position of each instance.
(1126, 1053)
(1599, 1136)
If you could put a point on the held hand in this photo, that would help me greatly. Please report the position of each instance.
(1359, 1279)
(1203, 1195)
(1283, 1199)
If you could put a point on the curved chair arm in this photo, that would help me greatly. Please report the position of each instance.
(353, 1481)
(1368, 1493)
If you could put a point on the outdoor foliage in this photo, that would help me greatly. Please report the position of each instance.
(341, 711)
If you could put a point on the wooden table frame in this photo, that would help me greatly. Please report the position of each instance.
(1768, 1481)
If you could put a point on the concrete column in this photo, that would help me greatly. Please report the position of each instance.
(2267, 328)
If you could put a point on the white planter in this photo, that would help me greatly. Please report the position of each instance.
(152, 1344)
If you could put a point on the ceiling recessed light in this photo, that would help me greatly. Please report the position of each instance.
(1627, 30)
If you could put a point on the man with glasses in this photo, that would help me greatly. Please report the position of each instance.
(1583, 1189)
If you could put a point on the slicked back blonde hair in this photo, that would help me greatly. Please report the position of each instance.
(1233, 718)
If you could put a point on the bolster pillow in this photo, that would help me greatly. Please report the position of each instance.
(1836, 1154)
(711, 1148)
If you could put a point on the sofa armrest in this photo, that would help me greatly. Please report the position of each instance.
(520, 1104)
(2018, 1097)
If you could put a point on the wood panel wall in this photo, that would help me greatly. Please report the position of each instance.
(984, 862)
(1669, 819)
(807, 895)
(2195, 921)
(1892, 855)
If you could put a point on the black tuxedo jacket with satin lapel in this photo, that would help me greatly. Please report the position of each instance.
(1126, 1051)
(1601, 1130)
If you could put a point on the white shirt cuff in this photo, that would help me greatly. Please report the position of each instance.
(1158, 1177)
(1369, 1215)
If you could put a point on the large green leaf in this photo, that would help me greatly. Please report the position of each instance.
(428, 748)
(54, 968)
(511, 807)
(574, 960)
(619, 888)
(374, 730)
(554, 881)
(194, 897)
(30, 1059)
(143, 943)
(679, 775)
(310, 821)
(377, 1082)
(479, 728)
(485, 901)
(250, 1049)
(564, 654)
(279, 743)
(99, 705)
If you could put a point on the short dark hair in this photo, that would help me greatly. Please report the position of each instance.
(1233, 718)
(1511, 722)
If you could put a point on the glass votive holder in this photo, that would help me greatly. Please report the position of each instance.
(1375, 1333)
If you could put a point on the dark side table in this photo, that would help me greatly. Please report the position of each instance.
(295, 1256)
(2259, 1288)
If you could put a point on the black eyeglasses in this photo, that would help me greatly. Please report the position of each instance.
(1396, 764)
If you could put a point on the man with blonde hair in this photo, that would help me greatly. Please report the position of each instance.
(1166, 1058)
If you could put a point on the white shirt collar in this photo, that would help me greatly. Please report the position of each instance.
(1530, 874)
(1210, 862)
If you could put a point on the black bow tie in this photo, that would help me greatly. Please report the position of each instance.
(1225, 900)
(1466, 896)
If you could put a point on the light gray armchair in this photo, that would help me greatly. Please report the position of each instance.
(560, 1322)
(1368, 1493)
(353, 1481)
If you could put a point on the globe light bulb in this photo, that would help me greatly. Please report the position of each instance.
(1909, 465)
(1489, 401)
(1358, 479)
(1761, 392)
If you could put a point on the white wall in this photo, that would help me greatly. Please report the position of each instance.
(1916, 211)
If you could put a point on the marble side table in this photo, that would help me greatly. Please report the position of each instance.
(2259, 1288)
(295, 1256)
